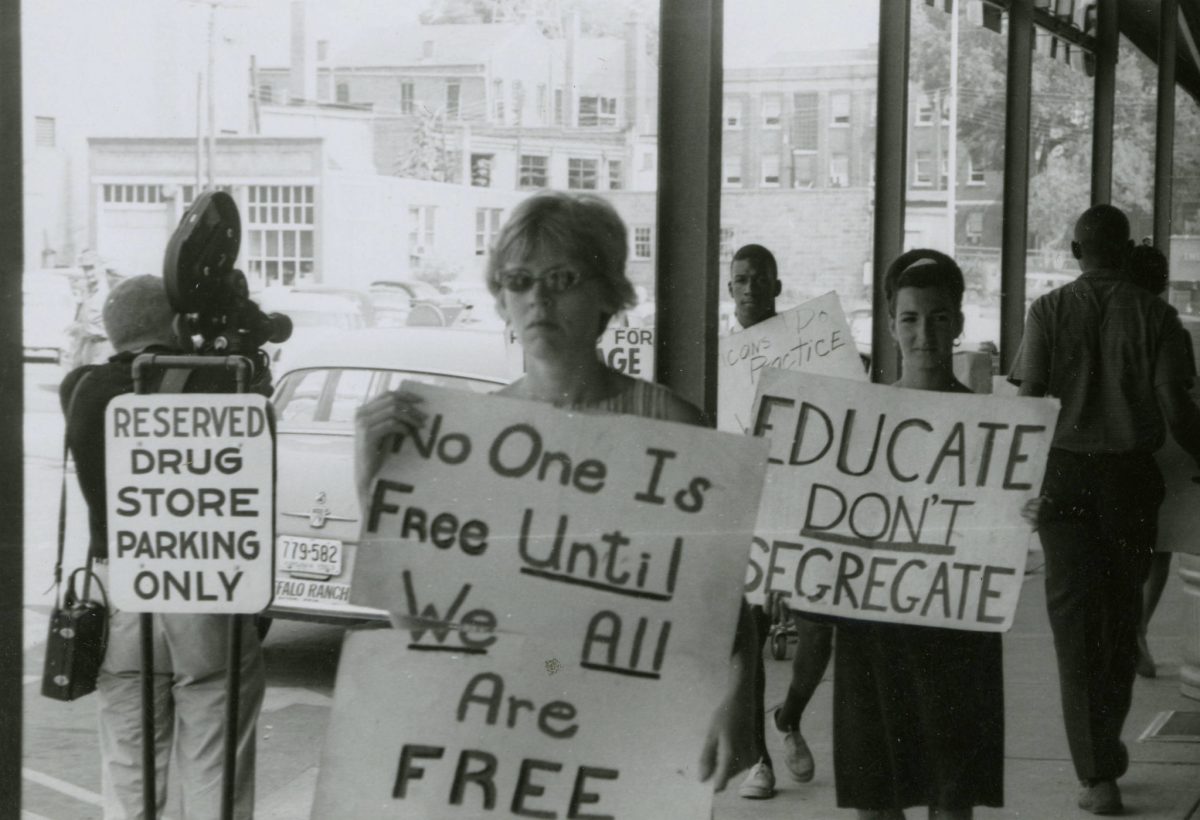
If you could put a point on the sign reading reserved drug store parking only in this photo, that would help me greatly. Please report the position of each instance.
(191, 507)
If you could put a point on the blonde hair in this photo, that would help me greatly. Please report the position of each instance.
(583, 227)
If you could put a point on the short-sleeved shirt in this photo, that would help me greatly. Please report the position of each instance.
(1101, 345)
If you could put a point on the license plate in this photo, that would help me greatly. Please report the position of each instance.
(318, 556)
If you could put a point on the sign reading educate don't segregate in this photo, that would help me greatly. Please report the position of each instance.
(813, 337)
(569, 585)
(887, 504)
(191, 504)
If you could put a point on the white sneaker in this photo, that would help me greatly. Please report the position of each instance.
(759, 783)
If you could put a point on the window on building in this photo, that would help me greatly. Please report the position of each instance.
(924, 110)
(582, 173)
(648, 160)
(727, 247)
(542, 110)
(487, 225)
(805, 132)
(976, 168)
(481, 170)
(534, 171)
(923, 170)
(595, 111)
(733, 113)
(804, 169)
(518, 101)
(974, 227)
(453, 90)
(498, 101)
(45, 132)
(558, 106)
(945, 174)
(421, 231)
(279, 226)
(265, 93)
(322, 50)
(643, 242)
(770, 171)
(731, 172)
(133, 194)
(839, 113)
(343, 92)
(772, 110)
(839, 171)
(407, 96)
(616, 175)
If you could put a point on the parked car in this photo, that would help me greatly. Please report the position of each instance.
(314, 313)
(446, 307)
(317, 515)
(48, 307)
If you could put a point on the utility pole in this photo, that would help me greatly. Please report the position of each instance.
(952, 147)
(212, 116)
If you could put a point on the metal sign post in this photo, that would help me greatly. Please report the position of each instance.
(141, 430)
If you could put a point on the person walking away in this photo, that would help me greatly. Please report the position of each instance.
(1110, 352)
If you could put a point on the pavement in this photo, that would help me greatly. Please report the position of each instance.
(1163, 782)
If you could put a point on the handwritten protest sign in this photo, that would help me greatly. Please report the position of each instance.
(628, 350)
(896, 505)
(604, 553)
(191, 505)
(813, 337)
(1178, 516)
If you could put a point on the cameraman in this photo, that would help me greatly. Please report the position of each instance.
(190, 651)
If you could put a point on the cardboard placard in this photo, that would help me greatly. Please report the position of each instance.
(191, 506)
(896, 505)
(605, 553)
(628, 350)
(813, 337)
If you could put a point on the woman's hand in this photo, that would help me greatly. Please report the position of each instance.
(1036, 510)
(374, 424)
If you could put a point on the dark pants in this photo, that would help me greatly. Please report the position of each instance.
(762, 627)
(1098, 538)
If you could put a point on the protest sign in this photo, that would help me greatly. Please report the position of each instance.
(896, 505)
(191, 503)
(612, 547)
(520, 731)
(628, 350)
(813, 337)
(1178, 517)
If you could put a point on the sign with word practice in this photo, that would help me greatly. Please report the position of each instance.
(628, 350)
(886, 504)
(191, 502)
(518, 732)
(813, 337)
(615, 546)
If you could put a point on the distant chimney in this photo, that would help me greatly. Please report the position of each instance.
(302, 74)
(571, 74)
(635, 73)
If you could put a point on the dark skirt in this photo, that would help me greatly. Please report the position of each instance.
(918, 717)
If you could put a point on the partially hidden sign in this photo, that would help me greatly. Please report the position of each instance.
(628, 350)
(569, 584)
(813, 337)
(896, 505)
(191, 505)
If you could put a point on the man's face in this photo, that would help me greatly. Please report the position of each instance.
(753, 292)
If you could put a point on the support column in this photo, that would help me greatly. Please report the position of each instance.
(891, 153)
(689, 199)
(1014, 231)
(12, 500)
(1107, 41)
(1164, 129)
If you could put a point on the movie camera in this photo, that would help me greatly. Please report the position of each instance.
(209, 294)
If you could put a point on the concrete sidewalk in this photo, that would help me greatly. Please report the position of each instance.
(1163, 782)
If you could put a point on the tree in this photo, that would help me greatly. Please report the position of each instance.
(426, 157)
